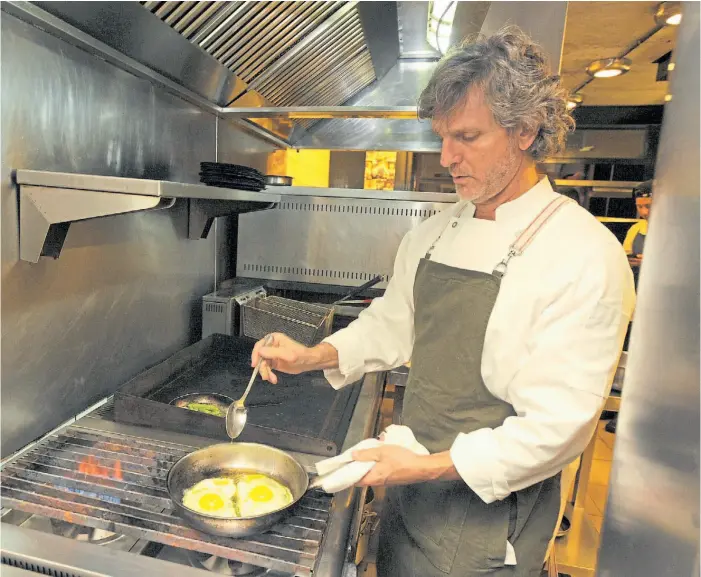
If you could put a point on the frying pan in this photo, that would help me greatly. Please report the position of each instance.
(221, 461)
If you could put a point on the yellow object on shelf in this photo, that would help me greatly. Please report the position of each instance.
(307, 167)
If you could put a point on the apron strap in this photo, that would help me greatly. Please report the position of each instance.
(525, 238)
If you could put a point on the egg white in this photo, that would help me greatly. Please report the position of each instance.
(221, 487)
(252, 490)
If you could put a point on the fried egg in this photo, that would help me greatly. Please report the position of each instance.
(259, 494)
(214, 496)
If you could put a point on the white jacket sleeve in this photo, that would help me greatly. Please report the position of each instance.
(559, 391)
(382, 337)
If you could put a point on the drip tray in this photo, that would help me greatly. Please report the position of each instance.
(303, 413)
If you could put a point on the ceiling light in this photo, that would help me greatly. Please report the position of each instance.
(669, 13)
(574, 100)
(440, 23)
(667, 97)
(609, 67)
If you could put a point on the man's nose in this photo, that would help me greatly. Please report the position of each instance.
(449, 154)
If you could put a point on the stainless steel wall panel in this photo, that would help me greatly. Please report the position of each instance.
(325, 240)
(236, 147)
(125, 292)
(651, 525)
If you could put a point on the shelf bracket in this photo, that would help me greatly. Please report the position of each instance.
(45, 214)
(202, 212)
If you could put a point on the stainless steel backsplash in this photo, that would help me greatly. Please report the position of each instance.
(126, 290)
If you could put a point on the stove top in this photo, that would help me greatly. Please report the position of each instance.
(109, 490)
(90, 499)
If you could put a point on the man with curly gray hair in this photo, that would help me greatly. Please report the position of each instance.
(511, 306)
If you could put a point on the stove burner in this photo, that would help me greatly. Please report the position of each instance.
(222, 566)
(82, 533)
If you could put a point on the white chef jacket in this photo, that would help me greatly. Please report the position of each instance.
(552, 343)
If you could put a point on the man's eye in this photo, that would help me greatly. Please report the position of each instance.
(468, 137)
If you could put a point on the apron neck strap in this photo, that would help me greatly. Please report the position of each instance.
(524, 239)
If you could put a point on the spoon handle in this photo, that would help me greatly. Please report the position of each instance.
(240, 402)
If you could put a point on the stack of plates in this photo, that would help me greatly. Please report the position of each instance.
(231, 176)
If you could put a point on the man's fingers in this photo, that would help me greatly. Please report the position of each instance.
(267, 374)
(255, 355)
(278, 354)
(276, 340)
(367, 454)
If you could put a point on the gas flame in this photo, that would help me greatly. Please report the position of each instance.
(90, 466)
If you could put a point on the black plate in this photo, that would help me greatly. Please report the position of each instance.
(237, 168)
(233, 184)
(214, 176)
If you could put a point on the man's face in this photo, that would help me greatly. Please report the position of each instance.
(643, 205)
(483, 157)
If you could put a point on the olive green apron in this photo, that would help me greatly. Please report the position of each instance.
(444, 528)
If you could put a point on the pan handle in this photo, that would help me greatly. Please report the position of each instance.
(361, 288)
(317, 482)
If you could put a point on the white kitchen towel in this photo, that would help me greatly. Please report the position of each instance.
(344, 472)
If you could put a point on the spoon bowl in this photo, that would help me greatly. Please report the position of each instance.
(237, 413)
(236, 417)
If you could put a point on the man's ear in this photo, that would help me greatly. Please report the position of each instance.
(525, 137)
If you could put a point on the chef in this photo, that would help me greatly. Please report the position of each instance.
(513, 325)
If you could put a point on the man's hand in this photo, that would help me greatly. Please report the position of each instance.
(288, 356)
(635, 260)
(395, 465)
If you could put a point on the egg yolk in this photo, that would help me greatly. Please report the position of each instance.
(261, 494)
(211, 502)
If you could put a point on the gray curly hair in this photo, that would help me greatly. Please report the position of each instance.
(514, 75)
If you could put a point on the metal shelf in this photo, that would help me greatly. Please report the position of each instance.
(51, 201)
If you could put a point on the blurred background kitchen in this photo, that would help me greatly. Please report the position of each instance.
(103, 278)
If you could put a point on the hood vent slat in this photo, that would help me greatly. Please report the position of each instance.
(292, 53)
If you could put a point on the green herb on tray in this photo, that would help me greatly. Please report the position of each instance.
(205, 408)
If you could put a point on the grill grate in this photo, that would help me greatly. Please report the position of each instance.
(117, 483)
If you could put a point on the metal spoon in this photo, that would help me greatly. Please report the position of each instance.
(237, 414)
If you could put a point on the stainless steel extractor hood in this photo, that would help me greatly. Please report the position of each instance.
(234, 58)
(402, 85)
